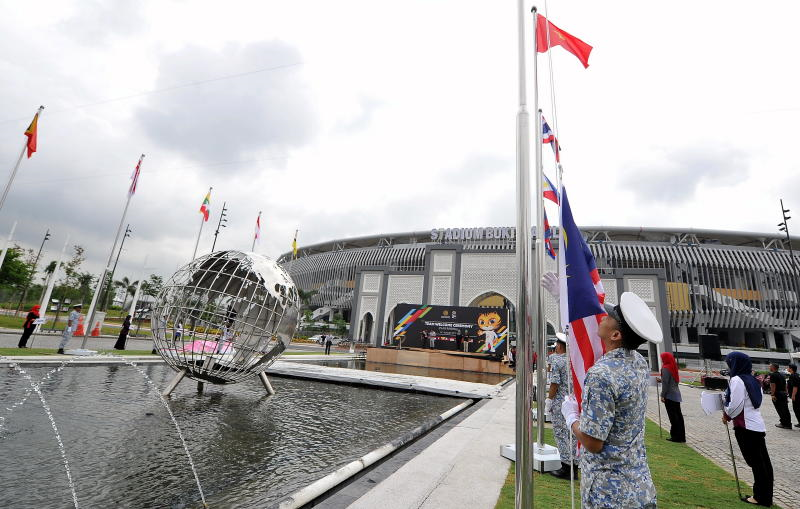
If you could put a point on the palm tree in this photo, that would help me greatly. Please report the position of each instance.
(129, 286)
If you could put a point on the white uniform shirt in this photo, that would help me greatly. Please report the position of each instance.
(741, 409)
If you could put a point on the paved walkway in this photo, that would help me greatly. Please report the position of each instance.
(706, 434)
(463, 469)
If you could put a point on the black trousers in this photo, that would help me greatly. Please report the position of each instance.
(677, 428)
(754, 450)
(782, 407)
(26, 334)
(327, 348)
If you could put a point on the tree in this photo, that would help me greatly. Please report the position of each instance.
(129, 286)
(72, 266)
(15, 271)
(340, 323)
(153, 285)
(48, 271)
(84, 283)
(305, 298)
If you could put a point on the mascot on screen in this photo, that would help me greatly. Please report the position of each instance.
(488, 323)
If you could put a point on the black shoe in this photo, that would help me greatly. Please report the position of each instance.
(60, 351)
(563, 472)
(784, 426)
(797, 425)
(670, 439)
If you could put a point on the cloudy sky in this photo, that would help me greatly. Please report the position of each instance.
(361, 117)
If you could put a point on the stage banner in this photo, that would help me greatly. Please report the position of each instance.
(467, 329)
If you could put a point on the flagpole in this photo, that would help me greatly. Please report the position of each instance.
(16, 166)
(101, 282)
(255, 237)
(539, 253)
(202, 220)
(523, 450)
(50, 284)
(8, 244)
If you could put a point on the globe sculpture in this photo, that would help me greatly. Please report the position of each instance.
(224, 318)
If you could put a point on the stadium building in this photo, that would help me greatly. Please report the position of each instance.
(741, 286)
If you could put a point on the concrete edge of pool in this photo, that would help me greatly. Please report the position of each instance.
(321, 486)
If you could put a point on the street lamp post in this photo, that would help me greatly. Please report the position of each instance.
(784, 227)
(111, 277)
(222, 219)
(35, 263)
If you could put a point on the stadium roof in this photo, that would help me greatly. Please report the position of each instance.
(592, 233)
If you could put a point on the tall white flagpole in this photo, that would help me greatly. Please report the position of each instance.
(136, 294)
(202, 221)
(101, 282)
(258, 231)
(16, 166)
(524, 458)
(8, 244)
(50, 284)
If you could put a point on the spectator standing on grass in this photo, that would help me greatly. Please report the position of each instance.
(671, 397)
(123, 334)
(793, 389)
(777, 388)
(72, 324)
(328, 343)
(557, 391)
(742, 402)
(28, 327)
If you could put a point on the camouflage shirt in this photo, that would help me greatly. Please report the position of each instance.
(558, 375)
(613, 409)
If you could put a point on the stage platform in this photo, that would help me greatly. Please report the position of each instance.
(441, 359)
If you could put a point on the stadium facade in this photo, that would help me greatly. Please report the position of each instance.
(741, 286)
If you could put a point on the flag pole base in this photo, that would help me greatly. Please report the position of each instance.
(545, 457)
(265, 381)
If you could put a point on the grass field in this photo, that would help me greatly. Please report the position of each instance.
(683, 478)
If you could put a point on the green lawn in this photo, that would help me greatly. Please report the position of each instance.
(683, 478)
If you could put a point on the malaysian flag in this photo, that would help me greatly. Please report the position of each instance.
(135, 177)
(582, 297)
(549, 137)
(258, 227)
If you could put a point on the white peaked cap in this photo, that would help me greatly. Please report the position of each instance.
(638, 316)
(560, 336)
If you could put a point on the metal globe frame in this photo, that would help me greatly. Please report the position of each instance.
(225, 317)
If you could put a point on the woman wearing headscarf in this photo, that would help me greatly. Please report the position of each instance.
(671, 397)
(742, 403)
(28, 327)
(123, 334)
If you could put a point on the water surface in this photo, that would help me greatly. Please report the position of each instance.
(249, 449)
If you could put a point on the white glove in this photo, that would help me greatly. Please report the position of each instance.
(548, 405)
(550, 283)
(569, 409)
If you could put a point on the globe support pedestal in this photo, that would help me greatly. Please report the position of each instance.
(174, 382)
(268, 386)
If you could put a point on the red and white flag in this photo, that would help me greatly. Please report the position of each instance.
(258, 228)
(135, 177)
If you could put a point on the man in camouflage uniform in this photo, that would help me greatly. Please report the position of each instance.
(611, 425)
(558, 390)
